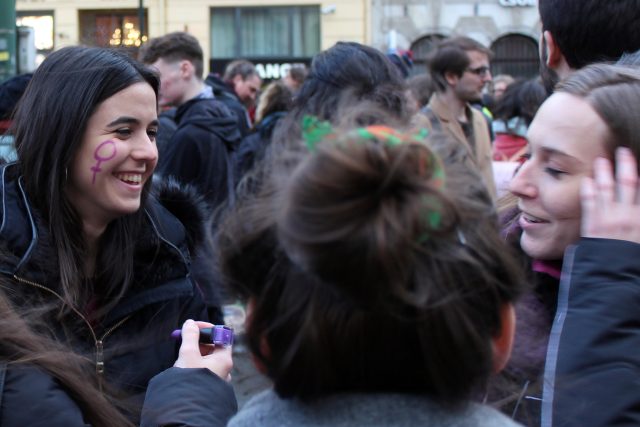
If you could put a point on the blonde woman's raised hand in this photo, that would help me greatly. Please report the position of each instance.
(611, 206)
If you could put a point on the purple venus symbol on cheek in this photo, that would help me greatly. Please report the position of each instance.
(106, 147)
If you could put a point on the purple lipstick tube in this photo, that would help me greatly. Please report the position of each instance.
(218, 335)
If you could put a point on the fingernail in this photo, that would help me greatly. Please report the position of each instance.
(623, 151)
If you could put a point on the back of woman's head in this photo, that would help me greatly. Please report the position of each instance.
(276, 97)
(521, 99)
(613, 92)
(383, 269)
(53, 113)
(364, 72)
(340, 78)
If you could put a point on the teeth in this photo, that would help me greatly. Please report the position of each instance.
(130, 178)
(530, 218)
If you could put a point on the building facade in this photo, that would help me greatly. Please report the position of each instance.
(511, 28)
(277, 33)
(272, 33)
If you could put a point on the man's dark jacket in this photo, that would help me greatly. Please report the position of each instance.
(252, 148)
(225, 94)
(199, 152)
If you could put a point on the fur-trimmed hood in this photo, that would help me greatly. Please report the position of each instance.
(175, 228)
(185, 202)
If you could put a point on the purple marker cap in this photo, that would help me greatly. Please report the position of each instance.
(218, 335)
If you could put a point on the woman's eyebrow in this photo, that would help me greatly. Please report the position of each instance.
(124, 120)
(553, 152)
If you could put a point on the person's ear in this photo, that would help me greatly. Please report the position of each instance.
(502, 343)
(555, 58)
(451, 78)
(237, 79)
(264, 345)
(186, 69)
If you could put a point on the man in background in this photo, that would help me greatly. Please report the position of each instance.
(459, 70)
(237, 89)
(576, 33)
(199, 151)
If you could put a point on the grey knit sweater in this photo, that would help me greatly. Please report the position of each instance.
(267, 409)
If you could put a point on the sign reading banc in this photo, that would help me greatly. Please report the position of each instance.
(518, 3)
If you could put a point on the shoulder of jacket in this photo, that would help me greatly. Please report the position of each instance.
(28, 385)
(182, 203)
(197, 110)
(479, 117)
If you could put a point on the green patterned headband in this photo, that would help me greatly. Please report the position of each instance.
(315, 131)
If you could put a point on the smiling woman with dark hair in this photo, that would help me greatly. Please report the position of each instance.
(84, 243)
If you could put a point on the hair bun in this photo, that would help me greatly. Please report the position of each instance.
(354, 210)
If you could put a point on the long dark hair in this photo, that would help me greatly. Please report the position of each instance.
(49, 125)
(348, 72)
(346, 263)
(522, 98)
(341, 79)
(21, 346)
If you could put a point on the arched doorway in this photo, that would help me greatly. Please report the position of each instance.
(516, 55)
(421, 49)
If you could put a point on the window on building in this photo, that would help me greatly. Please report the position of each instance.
(42, 24)
(421, 49)
(516, 55)
(287, 31)
(112, 28)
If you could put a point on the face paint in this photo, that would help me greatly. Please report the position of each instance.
(118, 142)
(100, 156)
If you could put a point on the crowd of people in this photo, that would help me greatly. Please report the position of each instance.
(447, 249)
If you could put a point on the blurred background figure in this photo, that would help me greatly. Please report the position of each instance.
(419, 90)
(403, 60)
(500, 83)
(199, 152)
(347, 71)
(512, 116)
(294, 79)
(492, 94)
(11, 91)
(460, 70)
(274, 103)
(237, 89)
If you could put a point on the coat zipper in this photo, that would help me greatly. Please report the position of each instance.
(99, 343)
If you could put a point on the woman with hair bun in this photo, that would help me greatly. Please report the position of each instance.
(380, 291)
